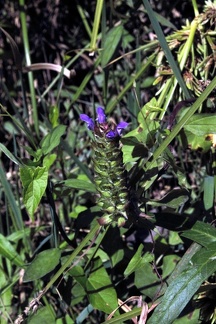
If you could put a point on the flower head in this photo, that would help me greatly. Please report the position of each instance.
(101, 127)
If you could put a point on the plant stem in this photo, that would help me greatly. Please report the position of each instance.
(28, 62)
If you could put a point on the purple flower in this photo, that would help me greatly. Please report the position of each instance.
(88, 121)
(101, 127)
(122, 125)
(101, 117)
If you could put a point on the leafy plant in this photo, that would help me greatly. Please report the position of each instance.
(98, 225)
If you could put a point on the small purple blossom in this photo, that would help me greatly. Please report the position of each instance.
(101, 117)
(101, 127)
(87, 120)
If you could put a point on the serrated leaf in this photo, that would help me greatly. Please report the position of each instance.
(101, 294)
(201, 233)
(111, 43)
(52, 140)
(202, 124)
(43, 263)
(34, 181)
(137, 261)
(184, 286)
(7, 250)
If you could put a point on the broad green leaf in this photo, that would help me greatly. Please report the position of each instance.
(101, 294)
(138, 260)
(78, 274)
(43, 315)
(202, 124)
(34, 181)
(117, 256)
(184, 286)
(169, 264)
(196, 142)
(42, 264)
(80, 184)
(52, 139)
(146, 280)
(7, 250)
(111, 43)
(209, 190)
(201, 233)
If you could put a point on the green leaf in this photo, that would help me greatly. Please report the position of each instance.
(146, 280)
(54, 115)
(78, 274)
(34, 181)
(101, 294)
(4, 149)
(111, 43)
(43, 315)
(197, 142)
(7, 250)
(201, 233)
(52, 140)
(80, 184)
(201, 124)
(209, 190)
(49, 160)
(174, 199)
(184, 286)
(169, 264)
(137, 261)
(43, 263)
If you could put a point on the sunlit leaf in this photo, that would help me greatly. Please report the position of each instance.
(138, 260)
(202, 124)
(52, 139)
(34, 181)
(201, 233)
(101, 294)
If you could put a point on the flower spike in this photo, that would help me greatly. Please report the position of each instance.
(110, 177)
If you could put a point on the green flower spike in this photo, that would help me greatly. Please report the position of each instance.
(110, 177)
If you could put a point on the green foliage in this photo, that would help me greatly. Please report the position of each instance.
(153, 188)
(34, 181)
(43, 263)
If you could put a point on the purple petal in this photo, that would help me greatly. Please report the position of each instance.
(111, 134)
(101, 115)
(122, 125)
(87, 120)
